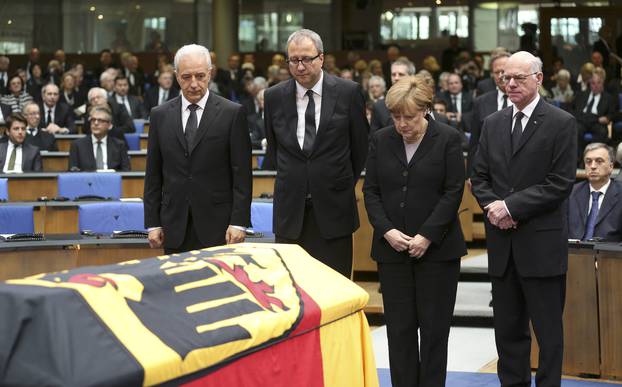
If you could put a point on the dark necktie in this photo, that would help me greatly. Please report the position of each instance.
(517, 132)
(454, 107)
(12, 158)
(127, 106)
(307, 146)
(48, 119)
(505, 101)
(31, 131)
(99, 156)
(591, 218)
(590, 105)
(191, 125)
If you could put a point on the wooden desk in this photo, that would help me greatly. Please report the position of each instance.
(59, 161)
(609, 258)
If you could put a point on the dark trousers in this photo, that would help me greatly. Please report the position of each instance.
(191, 239)
(336, 252)
(418, 295)
(516, 301)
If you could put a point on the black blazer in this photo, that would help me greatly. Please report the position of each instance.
(81, 154)
(43, 140)
(483, 106)
(136, 105)
(330, 173)
(606, 105)
(151, 97)
(466, 101)
(535, 181)
(381, 116)
(31, 159)
(417, 197)
(63, 116)
(213, 178)
(6, 111)
(609, 220)
(256, 129)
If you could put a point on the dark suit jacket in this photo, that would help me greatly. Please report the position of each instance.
(43, 140)
(334, 166)
(6, 111)
(212, 178)
(535, 181)
(81, 154)
(606, 105)
(417, 197)
(63, 116)
(31, 159)
(256, 129)
(466, 101)
(483, 106)
(136, 105)
(151, 97)
(609, 220)
(381, 116)
(484, 86)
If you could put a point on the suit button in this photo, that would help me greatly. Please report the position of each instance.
(405, 173)
(402, 205)
(404, 189)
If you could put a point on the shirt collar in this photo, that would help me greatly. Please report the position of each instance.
(46, 107)
(602, 189)
(317, 88)
(94, 139)
(528, 110)
(185, 103)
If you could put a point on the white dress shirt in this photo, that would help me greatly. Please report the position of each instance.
(602, 190)
(302, 100)
(185, 112)
(17, 168)
(123, 101)
(458, 101)
(162, 95)
(594, 105)
(500, 95)
(104, 149)
(47, 108)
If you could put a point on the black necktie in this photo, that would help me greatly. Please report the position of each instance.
(32, 131)
(49, 118)
(517, 131)
(590, 105)
(307, 146)
(592, 216)
(191, 125)
(505, 101)
(99, 156)
(454, 108)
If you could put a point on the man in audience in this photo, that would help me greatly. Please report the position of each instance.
(33, 58)
(130, 103)
(57, 116)
(4, 74)
(256, 126)
(121, 121)
(59, 55)
(165, 91)
(459, 102)
(380, 116)
(393, 52)
(595, 205)
(253, 87)
(106, 80)
(594, 109)
(34, 135)
(99, 150)
(15, 155)
(135, 76)
(105, 63)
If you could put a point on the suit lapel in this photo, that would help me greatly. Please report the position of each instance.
(3, 148)
(397, 147)
(506, 133)
(210, 114)
(329, 100)
(532, 125)
(609, 201)
(110, 152)
(291, 113)
(175, 122)
(427, 142)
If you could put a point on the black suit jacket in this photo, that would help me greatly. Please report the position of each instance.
(63, 116)
(485, 85)
(483, 106)
(256, 129)
(212, 178)
(330, 173)
(606, 105)
(43, 140)
(466, 101)
(381, 116)
(121, 121)
(31, 159)
(535, 180)
(136, 105)
(6, 111)
(417, 197)
(609, 220)
(81, 154)
(151, 97)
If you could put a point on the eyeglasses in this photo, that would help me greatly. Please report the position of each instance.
(306, 60)
(99, 121)
(519, 78)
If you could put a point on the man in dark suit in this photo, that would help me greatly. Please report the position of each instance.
(459, 102)
(595, 205)
(393, 52)
(594, 109)
(132, 104)
(522, 178)
(14, 150)
(488, 103)
(57, 117)
(34, 135)
(316, 131)
(165, 91)
(380, 115)
(99, 150)
(198, 182)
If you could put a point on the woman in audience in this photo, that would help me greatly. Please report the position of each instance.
(35, 83)
(17, 97)
(376, 87)
(585, 74)
(375, 67)
(562, 92)
(69, 91)
(413, 188)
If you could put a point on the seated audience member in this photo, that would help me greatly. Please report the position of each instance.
(594, 110)
(42, 139)
(106, 80)
(256, 124)
(284, 74)
(595, 205)
(135, 76)
(35, 82)
(121, 121)
(5, 112)
(583, 79)
(15, 155)
(346, 73)
(132, 104)
(376, 88)
(99, 150)
(54, 72)
(165, 91)
(440, 106)
(459, 102)
(17, 97)
(562, 92)
(380, 116)
(70, 93)
(249, 98)
(5, 62)
(57, 117)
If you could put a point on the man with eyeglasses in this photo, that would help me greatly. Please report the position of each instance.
(34, 135)
(523, 172)
(99, 151)
(198, 182)
(316, 130)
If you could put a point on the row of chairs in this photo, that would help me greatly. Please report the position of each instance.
(107, 217)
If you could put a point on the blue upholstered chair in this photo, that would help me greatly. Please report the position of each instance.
(104, 184)
(133, 141)
(4, 189)
(16, 219)
(139, 124)
(106, 217)
(261, 216)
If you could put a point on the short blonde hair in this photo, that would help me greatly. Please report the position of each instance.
(409, 94)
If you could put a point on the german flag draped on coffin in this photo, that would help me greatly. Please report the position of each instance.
(240, 315)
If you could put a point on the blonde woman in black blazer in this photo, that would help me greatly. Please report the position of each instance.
(413, 188)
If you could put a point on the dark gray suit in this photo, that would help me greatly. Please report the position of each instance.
(81, 154)
(483, 106)
(31, 159)
(609, 220)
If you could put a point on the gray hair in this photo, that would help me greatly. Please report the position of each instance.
(379, 79)
(599, 145)
(29, 104)
(260, 82)
(97, 90)
(403, 61)
(535, 64)
(563, 73)
(47, 85)
(101, 109)
(307, 34)
(192, 49)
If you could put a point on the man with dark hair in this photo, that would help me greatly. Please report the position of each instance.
(380, 115)
(15, 155)
(134, 107)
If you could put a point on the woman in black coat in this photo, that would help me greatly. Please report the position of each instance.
(413, 188)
